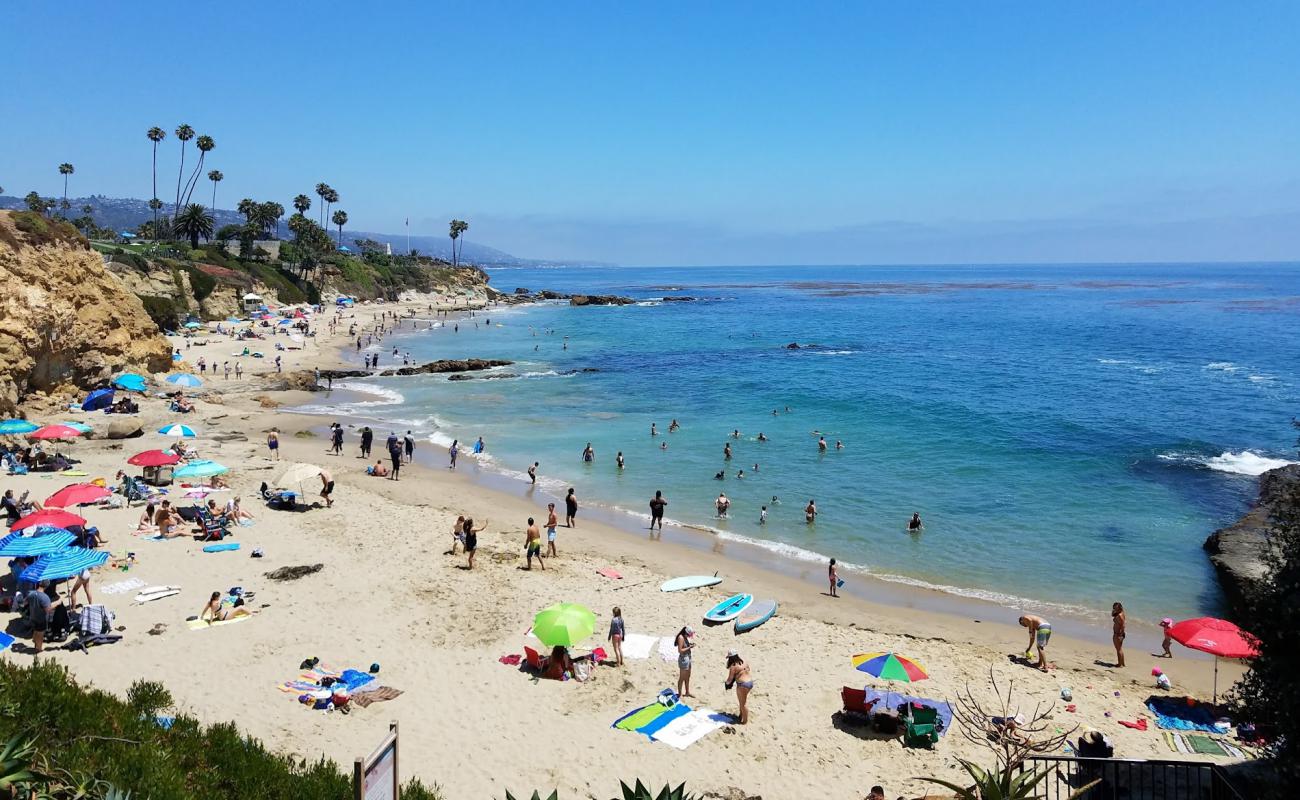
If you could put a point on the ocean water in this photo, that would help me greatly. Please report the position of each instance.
(1069, 434)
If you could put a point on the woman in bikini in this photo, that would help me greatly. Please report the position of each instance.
(147, 524)
(1119, 622)
(216, 611)
(738, 674)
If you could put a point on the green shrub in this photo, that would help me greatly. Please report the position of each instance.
(89, 732)
(201, 283)
(162, 311)
(41, 231)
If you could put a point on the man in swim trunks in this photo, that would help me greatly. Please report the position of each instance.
(533, 544)
(327, 487)
(552, 522)
(657, 506)
(1040, 633)
(532, 472)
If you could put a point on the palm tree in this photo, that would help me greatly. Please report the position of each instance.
(331, 197)
(205, 144)
(273, 212)
(247, 207)
(456, 228)
(184, 133)
(155, 135)
(216, 177)
(155, 204)
(66, 169)
(302, 202)
(322, 189)
(194, 221)
(340, 219)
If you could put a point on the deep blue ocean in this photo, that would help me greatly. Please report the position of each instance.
(1069, 434)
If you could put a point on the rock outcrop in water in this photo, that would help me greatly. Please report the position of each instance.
(1237, 551)
(305, 379)
(600, 300)
(65, 323)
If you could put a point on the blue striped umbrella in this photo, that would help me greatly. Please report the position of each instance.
(184, 379)
(178, 430)
(17, 426)
(200, 469)
(15, 544)
(63, 564)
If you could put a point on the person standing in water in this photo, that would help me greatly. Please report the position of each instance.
(653, 431)
(821, 444)
(914, 524)
(452, 452)
(1119, 629)
(672, 426)
(657, 506)
(408, 445)
(532, 472)
(618, 460)
(810, 512)
(726, 451)
(570, 509)
(722, 504)
(588, 454)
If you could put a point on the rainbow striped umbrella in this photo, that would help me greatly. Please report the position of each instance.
(890, 667)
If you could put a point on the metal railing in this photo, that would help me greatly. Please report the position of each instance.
(1123, 779)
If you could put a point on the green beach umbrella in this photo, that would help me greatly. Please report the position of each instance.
(564, 624)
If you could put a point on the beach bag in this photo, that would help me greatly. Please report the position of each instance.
(667, 698)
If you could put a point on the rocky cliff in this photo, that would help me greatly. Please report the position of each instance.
(65, 322)
(1237, 551)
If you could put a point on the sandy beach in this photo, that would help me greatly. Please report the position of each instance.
(388, 593)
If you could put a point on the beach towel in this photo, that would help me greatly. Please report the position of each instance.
(121, 586)
(217, 548)
(1174, 714)
(685, 731)
(638, 646)
(355, 679)
(636, 718)
(609, 572)
(896, 700)
(670, 714)
(367, 696)
(198, 624)
(668, 648)
(5, 640)
(1195, 744)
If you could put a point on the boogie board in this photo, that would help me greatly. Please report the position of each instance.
(157, 593)
(217, 548)
(756, 614)
(609, 572)
(729, 609)
(690, 582)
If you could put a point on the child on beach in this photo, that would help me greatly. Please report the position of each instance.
(1165, 625)
(616, 632)
(834, 578)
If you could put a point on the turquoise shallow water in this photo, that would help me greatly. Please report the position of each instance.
(1070, 434)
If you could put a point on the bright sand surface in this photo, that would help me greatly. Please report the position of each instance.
(389, 594)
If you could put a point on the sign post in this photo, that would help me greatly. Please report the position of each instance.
(375, 777)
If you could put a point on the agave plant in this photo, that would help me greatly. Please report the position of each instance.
(536, 796)
(997, 784)
(16, 763)
(640, 792)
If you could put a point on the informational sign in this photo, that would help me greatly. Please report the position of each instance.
(375, 777)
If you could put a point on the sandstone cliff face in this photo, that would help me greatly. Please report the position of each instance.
(64, 320)
(224, 301)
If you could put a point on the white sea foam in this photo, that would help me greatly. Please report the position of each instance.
(1262, 378)
(381, 395)
(833, 352)
(1113, 361)
(1222, 366)
(1245, 462)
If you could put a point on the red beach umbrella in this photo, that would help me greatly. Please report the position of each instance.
(154, 458)
(51, 516)
(54, 432)
(1218, 637)
(77, 494)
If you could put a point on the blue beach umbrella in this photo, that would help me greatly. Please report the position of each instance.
(285, 322)
(200, 469)
(192, 325)
(63, 564)
(15, 544)
(78, 426)
(17, 426)
(130, 381)
(100, 398)
(177, 430)
(184, 379)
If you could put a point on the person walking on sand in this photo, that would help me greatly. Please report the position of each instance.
(239, 370)
(1040, 633)
(327, 486)
(570, 508)
(394, 456)
(532, 472)
(552, 522)
(452, 452)
(470, 538)
(273, 443)
(1119, 629)
(739, 675)
(834, 576)
(408, 444)
(1165, 625)
(810, 512)
(367, 440)
(336, 447)
(616, 633)
(657, 506)
(684, 645)
(533, 544)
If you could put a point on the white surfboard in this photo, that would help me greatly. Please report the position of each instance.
(690, 582)
(147, 598)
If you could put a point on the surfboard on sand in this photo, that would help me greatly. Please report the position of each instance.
(151, 593)
(690, 582)
(756, 614)
(609, 572)
(729, 609)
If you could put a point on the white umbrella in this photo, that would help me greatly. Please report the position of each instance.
(296, 474)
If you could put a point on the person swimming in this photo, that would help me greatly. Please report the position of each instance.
(720, 476)
(821, 444)
(915, 524)
(672, 426)
(762, 437)
(726, 451)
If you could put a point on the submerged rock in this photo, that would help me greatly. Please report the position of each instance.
(1237, 551)
(600, 300)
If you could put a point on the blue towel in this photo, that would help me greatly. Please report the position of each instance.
(5, 640)
(896, 700)
(653, 727)
(353, 679)
(1174, 714)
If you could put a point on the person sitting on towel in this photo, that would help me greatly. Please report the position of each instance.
(217, 611)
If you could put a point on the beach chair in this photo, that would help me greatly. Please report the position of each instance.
(535, 662)
(920, 725)
(856, 708)
(214, 527)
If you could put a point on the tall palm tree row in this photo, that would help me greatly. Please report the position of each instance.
(193, 222)
(322, 189)
(340, 219)
(331, 197)
(205, 144)
(66, 169)
(456, 228)
(301, 203)
(184, 133)
(216, 177)
(155, 135)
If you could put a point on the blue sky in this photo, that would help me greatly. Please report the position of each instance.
(685, 133)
